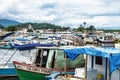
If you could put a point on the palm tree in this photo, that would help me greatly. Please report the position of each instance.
(84, 23)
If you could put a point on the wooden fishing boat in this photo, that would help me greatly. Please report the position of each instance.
(105, 39)
(49, 60)
(29, 72)
(6, 60)
(103, 63)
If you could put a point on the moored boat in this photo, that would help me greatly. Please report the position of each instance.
(58, 64)
(25, 54)
(7, 71)
(29, 72)
(105, 39)
(49, 60)
(6, 47)
(104, 59)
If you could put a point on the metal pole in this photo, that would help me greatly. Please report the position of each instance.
(85, 78)
(109, 71)
(93, 35)
(92, 65)
(10, 58)
(93, 45)
(119, 74)
(65, 66)
(106, 69)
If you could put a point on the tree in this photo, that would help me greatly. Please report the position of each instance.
(1, 26)
(29, 30)
(84, 23)
(74, 29)
(54, 30)
(91, 28)
(11, 28)
(80, 28)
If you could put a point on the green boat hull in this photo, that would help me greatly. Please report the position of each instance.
(25, 75)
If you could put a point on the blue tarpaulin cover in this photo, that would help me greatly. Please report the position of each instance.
(21, 39)
(111, 53)
(6, 35)
(31, 46)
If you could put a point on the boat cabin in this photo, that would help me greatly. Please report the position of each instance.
(105, 60)
(101, 64)
(54, 57)
(105, 39)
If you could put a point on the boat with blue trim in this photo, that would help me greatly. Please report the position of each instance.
(23, 53)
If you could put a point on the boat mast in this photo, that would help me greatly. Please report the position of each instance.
(65, 65)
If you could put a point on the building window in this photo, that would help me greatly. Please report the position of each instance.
(98, 60)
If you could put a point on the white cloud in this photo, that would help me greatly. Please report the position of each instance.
(62, 12)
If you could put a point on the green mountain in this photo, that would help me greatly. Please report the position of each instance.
(6, 22)
(39, 26)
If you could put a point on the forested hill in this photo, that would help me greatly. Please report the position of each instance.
(1, 26)
(39, 26)
(6, 22)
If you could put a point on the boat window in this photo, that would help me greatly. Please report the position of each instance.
(100, 37)
(45, 53)
(98, 60)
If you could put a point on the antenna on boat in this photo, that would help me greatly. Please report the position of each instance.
(93, 45)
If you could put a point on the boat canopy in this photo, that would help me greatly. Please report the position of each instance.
(31, 46)
(111, 53)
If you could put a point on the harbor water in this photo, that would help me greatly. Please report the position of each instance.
(9, 78)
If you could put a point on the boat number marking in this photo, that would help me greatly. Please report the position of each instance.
(33, 69)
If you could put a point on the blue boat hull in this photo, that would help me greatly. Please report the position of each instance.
(6, 47)
(8, 72)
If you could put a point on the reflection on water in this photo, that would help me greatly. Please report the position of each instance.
(9, 78)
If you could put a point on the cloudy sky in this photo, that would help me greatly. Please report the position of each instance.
(72, 13)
